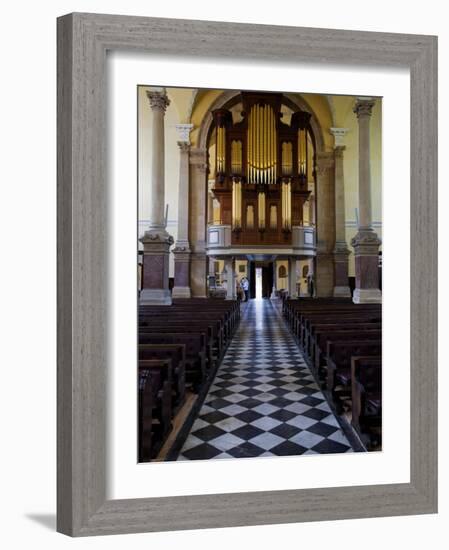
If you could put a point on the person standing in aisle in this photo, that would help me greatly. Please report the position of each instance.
(245, 285)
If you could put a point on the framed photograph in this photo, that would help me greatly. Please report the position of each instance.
(303, 386)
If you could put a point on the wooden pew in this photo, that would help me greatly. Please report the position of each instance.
(324, 333)
(211, 327)
(308, 323)
(195, 351)
(170, 329)
(338, 359)
(176, 353)
(366, 393)
(155, 413)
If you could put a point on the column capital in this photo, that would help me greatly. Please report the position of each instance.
(363, 107)
(184, 146)
(339, 136)
(324, 162)
(158, 100)
(366, 242)
(198, 159)
(184, 132)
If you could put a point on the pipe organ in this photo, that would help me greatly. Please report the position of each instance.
(263, 166)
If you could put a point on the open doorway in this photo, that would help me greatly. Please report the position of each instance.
(260, 279)
(258, 283)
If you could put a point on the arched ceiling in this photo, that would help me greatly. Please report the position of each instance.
(193, 104)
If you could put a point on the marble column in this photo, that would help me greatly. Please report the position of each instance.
(366, 242)
(230, 279)
(341, 251)
(325, 224)
(198, 221)
(182, 247)
(292, 277)
(156, 241)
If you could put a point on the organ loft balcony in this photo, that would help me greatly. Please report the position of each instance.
(300, 241)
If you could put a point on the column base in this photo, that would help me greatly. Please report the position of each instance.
(156, 249)
(342, 292)
(367, 296)
(324, 275)
(181, 254)
(198, 272)
(155, 297)
(181, 292)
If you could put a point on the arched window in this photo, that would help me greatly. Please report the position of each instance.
(282, 273)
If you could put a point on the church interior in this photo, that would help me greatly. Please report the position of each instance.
(259, 274)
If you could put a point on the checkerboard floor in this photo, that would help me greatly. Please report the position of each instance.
(264, 400)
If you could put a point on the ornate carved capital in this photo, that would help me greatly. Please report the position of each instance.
(181, 254)
(338, 151)
(366, 243)
(198, 159)
(156, 237)
(158, 100)
(341, 250)
(184, 146)
(339, 136)
(184, 132)
(363, 107)
(324, 163)
(182, 247)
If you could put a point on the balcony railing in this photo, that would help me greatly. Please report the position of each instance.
(219, 238)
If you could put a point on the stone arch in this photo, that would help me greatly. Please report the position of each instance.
(199, 159)
(230, 97)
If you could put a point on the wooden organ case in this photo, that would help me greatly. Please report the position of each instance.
(262, 170)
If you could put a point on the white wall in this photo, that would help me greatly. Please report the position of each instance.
(28, 274)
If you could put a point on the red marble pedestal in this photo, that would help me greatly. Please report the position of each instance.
(341, 286)
(156, 251)
(366, 248)
(182, 272)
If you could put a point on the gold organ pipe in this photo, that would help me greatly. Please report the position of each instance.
(255, 142)
(248, 151)
(237, 205)
(262, 160)
(254, 126)
(261, 148)
(289, 217)
(284, 204)
(270, 132)
(273, 128)
(253, 145)
(306, 157)
(250, 147)
(260, 144)
(221, 149)
(261, 210)
(264, 142)
(259, 159)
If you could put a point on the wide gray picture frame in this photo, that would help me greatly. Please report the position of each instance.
(83, 41)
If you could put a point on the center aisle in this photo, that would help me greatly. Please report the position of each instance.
(264, 400)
